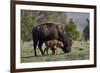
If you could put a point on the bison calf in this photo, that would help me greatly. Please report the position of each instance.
(52, 44)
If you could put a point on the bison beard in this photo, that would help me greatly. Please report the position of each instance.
(48, 31)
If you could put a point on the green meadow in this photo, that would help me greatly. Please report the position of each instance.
(79, 51)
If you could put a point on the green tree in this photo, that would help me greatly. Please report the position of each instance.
(71, 30)
(27, 22)
(30, 18)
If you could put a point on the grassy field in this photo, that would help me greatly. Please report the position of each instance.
(80, 51)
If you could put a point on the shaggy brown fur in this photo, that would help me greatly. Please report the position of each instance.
(48, 31)
(53, 44)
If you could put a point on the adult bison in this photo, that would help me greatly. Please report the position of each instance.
(48, 31)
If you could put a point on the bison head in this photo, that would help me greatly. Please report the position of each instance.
(67, 42)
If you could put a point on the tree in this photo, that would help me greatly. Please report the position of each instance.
(30, 19)
(27, 22)
(71, 30)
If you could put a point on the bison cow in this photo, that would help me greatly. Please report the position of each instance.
(49, 31)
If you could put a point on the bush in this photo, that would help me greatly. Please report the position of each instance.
(71, 30)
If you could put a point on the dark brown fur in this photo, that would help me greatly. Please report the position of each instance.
(45, 32)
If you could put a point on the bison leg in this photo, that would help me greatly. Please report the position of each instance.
(56, 52)
(40, 47)
(46, 50)
(53, 51)
(35, 44)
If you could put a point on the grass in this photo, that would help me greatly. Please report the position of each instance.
(80, 51)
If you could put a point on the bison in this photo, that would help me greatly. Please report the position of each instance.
(53, 44)
(48, 31)
(67, 44)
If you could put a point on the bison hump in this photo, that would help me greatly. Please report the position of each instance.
(48, 30)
